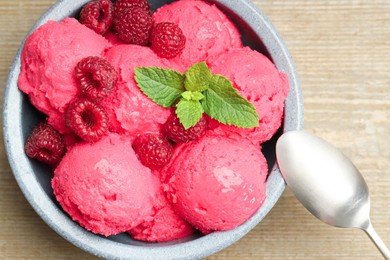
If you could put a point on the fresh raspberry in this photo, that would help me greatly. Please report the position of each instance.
(87, 119)
(153, 150)
(95, 77)
(121, 5)
(133, 25)
(167, 39)
(98, 15)
(175, 131)
(45, 144)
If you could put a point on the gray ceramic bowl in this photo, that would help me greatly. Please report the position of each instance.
(19, 117)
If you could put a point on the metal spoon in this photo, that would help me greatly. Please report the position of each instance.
(326, 182)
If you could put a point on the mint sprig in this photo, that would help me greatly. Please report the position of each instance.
(196, 92)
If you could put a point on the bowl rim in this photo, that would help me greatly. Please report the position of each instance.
(99, 246)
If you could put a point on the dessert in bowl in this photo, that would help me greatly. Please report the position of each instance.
(53, 198)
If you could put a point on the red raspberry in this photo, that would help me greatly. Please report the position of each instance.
(95, 77)
(98, 15)
(121, 5)
(87, 119)
(167, 39)
(133, 25)
(45, 144)
(153, 150)
(175, 131)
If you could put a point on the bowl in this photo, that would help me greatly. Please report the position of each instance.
(19, 117)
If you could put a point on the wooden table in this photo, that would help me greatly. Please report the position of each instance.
(342, 53)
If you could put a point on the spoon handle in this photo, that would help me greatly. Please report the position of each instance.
(370, 231)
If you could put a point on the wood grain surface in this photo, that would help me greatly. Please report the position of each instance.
(342, 52)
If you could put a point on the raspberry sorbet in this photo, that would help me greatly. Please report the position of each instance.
(131, 166)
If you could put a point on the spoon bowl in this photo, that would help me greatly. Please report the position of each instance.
(326, 182)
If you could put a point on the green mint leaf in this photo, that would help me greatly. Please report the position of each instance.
(163, 86)
(197, 77)
(197, 96)
(189, 112)
(189, 95)
(223, 103)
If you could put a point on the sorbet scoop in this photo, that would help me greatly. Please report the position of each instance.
(326, 182)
